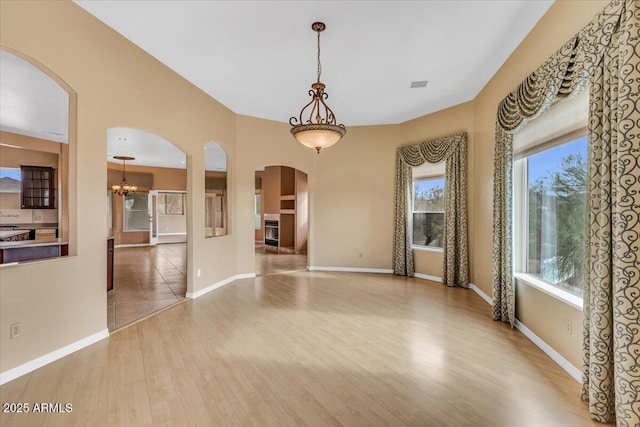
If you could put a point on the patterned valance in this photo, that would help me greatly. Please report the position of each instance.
(605, 55)
(452, 150)
(564, 74)
(434, 151)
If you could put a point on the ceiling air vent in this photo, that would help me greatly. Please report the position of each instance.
(419, 83)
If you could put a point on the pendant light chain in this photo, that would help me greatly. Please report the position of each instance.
(319, 64)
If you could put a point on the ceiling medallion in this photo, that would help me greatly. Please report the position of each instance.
(319, 130)
(124, 188)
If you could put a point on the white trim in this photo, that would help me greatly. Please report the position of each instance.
(351, 269)
(172, 234)
(428, 277)
(427, 248)
(554, 355)
(41, 361)
(479, 291)
(194, 295)
(549, 289)
(132, 245)
(549, 351)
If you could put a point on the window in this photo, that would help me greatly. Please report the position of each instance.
(10, 181)
(549, 225)
(171, 203)
(136, 212)
(428, 212)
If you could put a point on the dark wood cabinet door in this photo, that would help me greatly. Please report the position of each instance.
(37, 187)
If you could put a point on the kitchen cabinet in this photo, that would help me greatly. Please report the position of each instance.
(31, 250)
(37, 187)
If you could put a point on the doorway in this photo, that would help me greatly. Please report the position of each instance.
(148, 226)
(281, 220)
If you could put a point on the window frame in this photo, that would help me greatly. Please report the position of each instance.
(429, 177)
(124, 214)
(520, 220)
(183, 201)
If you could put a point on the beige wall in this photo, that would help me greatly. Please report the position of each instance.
(163, 178)
(63, 300)
(352, 200)
(350, 185)
(538, 311)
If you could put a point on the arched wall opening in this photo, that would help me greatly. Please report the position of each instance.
(37, 159)
(281, 219)
(147, 226)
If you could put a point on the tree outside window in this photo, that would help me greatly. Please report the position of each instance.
(428, 212)
(555, 205)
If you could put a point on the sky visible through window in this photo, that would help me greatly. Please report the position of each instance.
(10, 173)
(540, 164)
(423, 186)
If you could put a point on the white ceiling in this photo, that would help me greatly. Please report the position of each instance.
(152, 150)
(259, 57)
(31, 103)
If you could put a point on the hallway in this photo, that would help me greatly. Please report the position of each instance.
(146, 279)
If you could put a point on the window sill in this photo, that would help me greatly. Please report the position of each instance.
(427, 248)
(559, 294)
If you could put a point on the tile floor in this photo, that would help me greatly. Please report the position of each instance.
(146, 279)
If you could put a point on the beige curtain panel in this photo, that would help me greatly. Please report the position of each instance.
(606, 55)
(452, 150)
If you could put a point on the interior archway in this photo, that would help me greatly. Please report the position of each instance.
(147, 226)
(281, 220)
(37, 129)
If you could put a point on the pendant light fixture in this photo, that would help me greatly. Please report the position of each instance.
(124, 188)
(318, 129)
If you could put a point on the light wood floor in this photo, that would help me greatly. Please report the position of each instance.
(146, 279)
(311, 349)
(270, 262)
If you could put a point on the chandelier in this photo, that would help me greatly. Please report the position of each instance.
(319, 130)
(124, 188)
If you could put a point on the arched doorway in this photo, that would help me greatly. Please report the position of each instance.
(148, 226)
(281, 220)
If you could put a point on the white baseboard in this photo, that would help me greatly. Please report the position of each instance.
(428, 277)
(549, 351)
(351, 269)
(194, 295)
(478, 291)
(554, 355)
(41, 361)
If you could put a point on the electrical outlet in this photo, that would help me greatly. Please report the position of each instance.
(14, 330)
(198, 273)
(569, 327)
